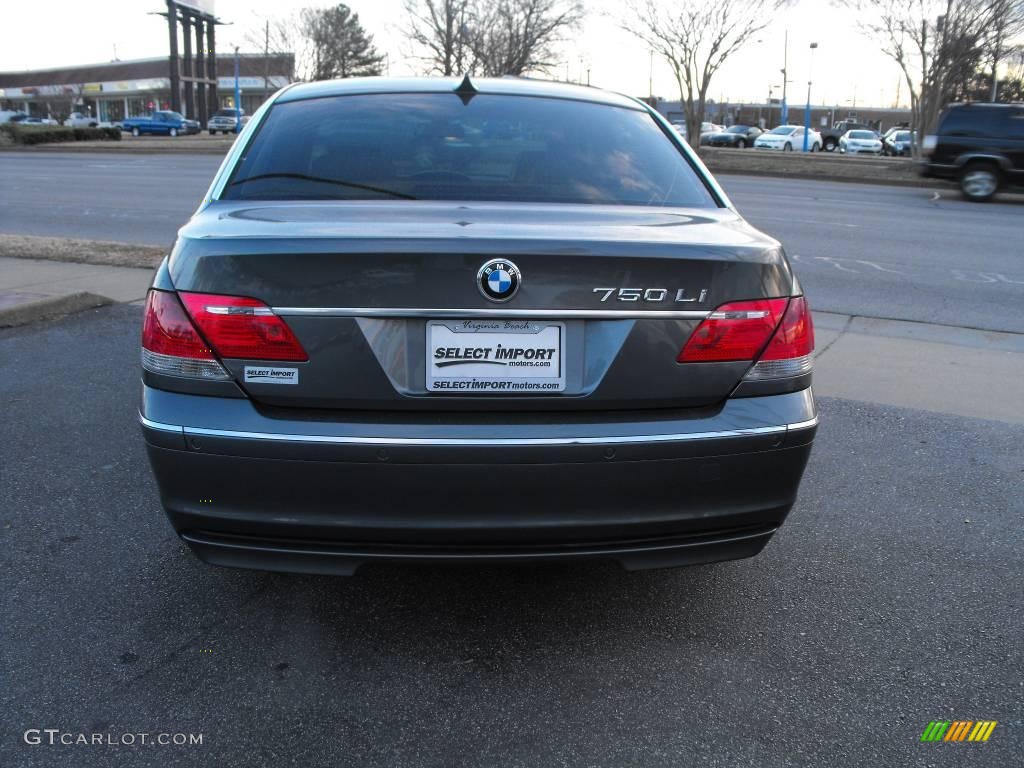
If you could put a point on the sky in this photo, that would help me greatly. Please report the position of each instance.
(848, 68)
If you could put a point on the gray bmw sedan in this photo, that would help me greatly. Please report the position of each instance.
(478, 320)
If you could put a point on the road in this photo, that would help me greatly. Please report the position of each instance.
(891, 597)
(859, 249)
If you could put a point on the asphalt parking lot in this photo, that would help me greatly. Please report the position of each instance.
(892, 597)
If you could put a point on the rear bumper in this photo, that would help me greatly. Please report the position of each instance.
(251, 491)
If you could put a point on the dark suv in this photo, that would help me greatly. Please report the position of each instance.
(979, 145)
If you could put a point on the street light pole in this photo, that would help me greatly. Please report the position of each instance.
(807, 109)
(784, 114)
(238, 97)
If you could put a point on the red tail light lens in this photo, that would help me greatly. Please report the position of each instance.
(795, 336)
(733, 332)
(167, 330)
(241, 327)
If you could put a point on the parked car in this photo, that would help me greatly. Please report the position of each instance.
(788, 138)
(979, 145)
(163, 122)
(81, 120)
(226, 121)
(23, 119)
(363, 351)
(8, 116)
(739, 136)
(706, 129)
(898, 143)
(860, 142)
(830, 136)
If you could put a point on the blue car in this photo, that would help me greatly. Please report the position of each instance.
(163, 122)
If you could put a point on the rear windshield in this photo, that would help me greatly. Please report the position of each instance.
(435, 147)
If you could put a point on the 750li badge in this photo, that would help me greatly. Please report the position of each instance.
(498, 280)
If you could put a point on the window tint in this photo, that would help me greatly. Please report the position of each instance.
(435, 147)
(969, 121)
(1015, 123)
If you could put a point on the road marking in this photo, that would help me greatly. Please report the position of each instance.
(879, 267)
(835, 263)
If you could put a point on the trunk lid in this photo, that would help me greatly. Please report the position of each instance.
(360, 284)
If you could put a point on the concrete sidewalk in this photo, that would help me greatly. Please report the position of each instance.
(33, 289)
(959, 371)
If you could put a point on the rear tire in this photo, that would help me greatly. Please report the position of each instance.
(213, 132)
(979, 182)
(830, 145)
(135, 131)
(788, 147)
(741, 144)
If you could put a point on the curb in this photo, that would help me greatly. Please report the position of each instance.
(51, 307)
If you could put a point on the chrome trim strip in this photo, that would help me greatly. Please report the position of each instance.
(513, 442)
(803, 424)
(150, 424)
(551, 314)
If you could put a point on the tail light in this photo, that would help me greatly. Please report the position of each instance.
(241, 327)
(733, 332)
(170, 343)
(777, 333)
(790, 351)
(177, 342)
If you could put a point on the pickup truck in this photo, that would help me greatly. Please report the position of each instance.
(165, 122)
(830, 136)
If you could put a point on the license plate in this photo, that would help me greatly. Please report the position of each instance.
(495, 356)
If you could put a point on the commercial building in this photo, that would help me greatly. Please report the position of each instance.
(121, 89)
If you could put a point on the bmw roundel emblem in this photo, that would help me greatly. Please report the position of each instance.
(498, 279)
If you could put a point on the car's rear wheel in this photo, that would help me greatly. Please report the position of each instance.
(830, 145)
(788, 147)
(135, 131)
(742, 144)
(213, 132)
(172, 132)
(979, 182)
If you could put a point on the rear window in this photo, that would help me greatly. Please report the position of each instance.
(435, 147)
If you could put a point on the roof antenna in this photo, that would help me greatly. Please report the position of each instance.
(466, 89)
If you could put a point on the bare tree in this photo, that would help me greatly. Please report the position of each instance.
(695, 38)
(938, 45)
(1006, 28)
(280, 39)
(513, 37)
(440, 31)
